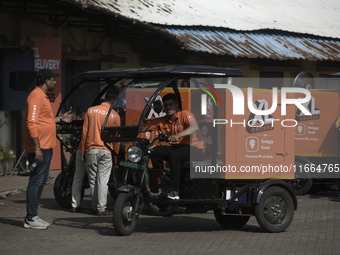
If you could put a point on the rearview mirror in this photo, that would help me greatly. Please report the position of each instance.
(157, 106)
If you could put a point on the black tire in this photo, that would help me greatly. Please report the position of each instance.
(62, 191)
(302, 185)
(116, 180)
(113, 192)
(275, 211)
(230, 221)
(162, 210)
(124, 223)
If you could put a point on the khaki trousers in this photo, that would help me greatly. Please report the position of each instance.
(99, 163)
(79, 175)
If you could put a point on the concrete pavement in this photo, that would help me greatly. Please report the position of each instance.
(17, 183)
(314, 230)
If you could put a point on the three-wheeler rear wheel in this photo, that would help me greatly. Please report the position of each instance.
(62, 190)
(124, 218)
(302, 185)
(275, 211)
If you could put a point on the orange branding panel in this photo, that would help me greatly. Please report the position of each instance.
(316, 135)
(257, 146)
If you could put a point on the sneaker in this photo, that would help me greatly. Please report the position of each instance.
(172, 194)
(104, 213)
(35, 223)
(44, 222)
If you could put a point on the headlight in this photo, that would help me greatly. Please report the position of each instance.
(134, 154)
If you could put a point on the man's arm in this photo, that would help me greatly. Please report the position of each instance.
(83, 137)
(33, 111)
(192, 129)
(38, 153)
(189, 120)
(114, 121)
(142, 129)
(150, 126)
(66, 117)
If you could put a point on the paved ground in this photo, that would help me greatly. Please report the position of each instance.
(314, 230)
(10, 186)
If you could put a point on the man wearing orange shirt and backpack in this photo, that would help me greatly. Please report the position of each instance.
(184, 136)
(40, 139)
(98, 158)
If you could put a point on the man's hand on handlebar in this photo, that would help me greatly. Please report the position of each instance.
(173, 138)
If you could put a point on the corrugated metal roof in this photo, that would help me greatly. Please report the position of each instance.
(315, 17)
(280, 46)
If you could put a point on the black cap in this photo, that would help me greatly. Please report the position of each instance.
(46, 73)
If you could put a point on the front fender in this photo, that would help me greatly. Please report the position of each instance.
(126, 188)
(270, 183)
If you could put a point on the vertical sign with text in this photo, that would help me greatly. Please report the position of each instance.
(48, 55)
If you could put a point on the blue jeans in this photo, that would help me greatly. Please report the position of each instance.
(37, 181)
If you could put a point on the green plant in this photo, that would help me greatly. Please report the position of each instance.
(67, 139)
(8, 156)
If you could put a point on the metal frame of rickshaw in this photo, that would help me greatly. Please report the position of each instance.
(68, 168)
(90, 76)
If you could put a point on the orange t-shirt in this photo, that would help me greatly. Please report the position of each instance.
(39, 121)
(93, 122)
(183, 120)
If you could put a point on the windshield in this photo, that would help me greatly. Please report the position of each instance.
(139, 100)
(132, 101)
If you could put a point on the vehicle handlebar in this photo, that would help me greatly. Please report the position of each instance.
(161, 138)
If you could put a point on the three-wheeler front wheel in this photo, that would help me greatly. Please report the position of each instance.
(124, 217)
(275, 211)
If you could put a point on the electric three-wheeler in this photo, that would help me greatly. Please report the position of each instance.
(270, 198)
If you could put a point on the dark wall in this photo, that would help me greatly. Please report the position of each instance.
(12, 61)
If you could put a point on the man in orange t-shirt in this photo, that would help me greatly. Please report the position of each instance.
(182, 130)
(98, 157)
(40, 139)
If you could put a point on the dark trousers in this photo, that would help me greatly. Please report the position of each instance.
(37, 181)
(176, 156)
